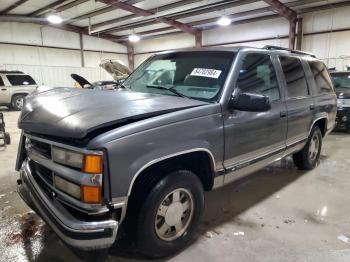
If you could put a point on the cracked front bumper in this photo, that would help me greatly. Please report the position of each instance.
(87, 235)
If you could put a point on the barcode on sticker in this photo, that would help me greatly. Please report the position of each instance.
(206, 72)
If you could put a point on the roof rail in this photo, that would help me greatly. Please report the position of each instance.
(10, 72)
(273, 47)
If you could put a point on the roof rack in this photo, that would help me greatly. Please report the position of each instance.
(273, 47)
(7, 72)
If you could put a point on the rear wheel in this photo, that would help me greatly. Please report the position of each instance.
(17, 102)
(169, 214)
(309, 156)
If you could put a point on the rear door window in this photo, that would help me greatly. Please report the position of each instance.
(295, 77)
(20, 80)
(1, 81)
(322, 78)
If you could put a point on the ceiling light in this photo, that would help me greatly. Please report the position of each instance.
(134, 38)
(224, 21)
(54, 19)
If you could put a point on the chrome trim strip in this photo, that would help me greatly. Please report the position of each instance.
(250, 159)
(237, 174)
(167, 157)
(120, 202)
(296, 141)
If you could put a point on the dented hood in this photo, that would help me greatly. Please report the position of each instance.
(74, 113)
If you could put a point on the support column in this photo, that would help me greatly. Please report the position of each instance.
(130, 49)
(81, 50)
(300, 33)
(198, 38)
(292, 28)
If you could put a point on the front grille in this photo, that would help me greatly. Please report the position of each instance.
(39, 179)
(41, 147)
(44, 173)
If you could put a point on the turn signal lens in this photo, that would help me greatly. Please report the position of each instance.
(91, 194)
(92, 164)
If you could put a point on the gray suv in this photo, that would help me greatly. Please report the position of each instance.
(14, 87)
(138, 160)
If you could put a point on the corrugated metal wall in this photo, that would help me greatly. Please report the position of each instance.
(50, 55)
(59, 75)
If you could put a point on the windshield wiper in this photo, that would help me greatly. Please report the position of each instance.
(171, 89)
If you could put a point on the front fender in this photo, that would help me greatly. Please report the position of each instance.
(128, 156)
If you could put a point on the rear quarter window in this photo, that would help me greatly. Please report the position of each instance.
(20, 80)
(321, 76)
(295, 77)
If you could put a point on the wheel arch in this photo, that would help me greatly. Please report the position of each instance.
(321, 122)
(188, 159)
(18, 94)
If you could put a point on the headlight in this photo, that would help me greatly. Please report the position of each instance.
(89, 163)
(87, 194)
(67, 187)
(67, 157)
(343, 102)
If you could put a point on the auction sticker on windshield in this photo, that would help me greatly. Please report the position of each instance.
(206, 72)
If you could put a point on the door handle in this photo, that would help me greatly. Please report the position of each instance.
(283, 114)
(3, 89)
(312, 107)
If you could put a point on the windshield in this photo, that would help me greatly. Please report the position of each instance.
(341, 81)
(197, 75)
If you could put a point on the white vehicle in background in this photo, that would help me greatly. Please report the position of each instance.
(14, 87)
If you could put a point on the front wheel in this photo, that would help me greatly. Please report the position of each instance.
(170, 214)
(309, 156)
(17, 102)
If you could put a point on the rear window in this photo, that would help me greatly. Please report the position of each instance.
(322, 79)
(295, 77)
(20, 80)
(1, 81)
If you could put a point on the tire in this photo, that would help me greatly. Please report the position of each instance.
(309, 156)
(7, 138)
(161, 208)
(17, 102)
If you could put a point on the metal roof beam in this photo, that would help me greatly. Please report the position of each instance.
(142, 12)
(101, 11)
(282, 9)
(194, 13)
(43, 21)
(154, 10)
(13, 6)
(47, 8)
(69, 5)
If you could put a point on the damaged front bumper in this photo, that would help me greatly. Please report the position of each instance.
(87, 235)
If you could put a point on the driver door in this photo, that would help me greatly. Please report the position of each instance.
(253, 139)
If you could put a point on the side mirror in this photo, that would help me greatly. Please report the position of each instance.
(250, 102)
